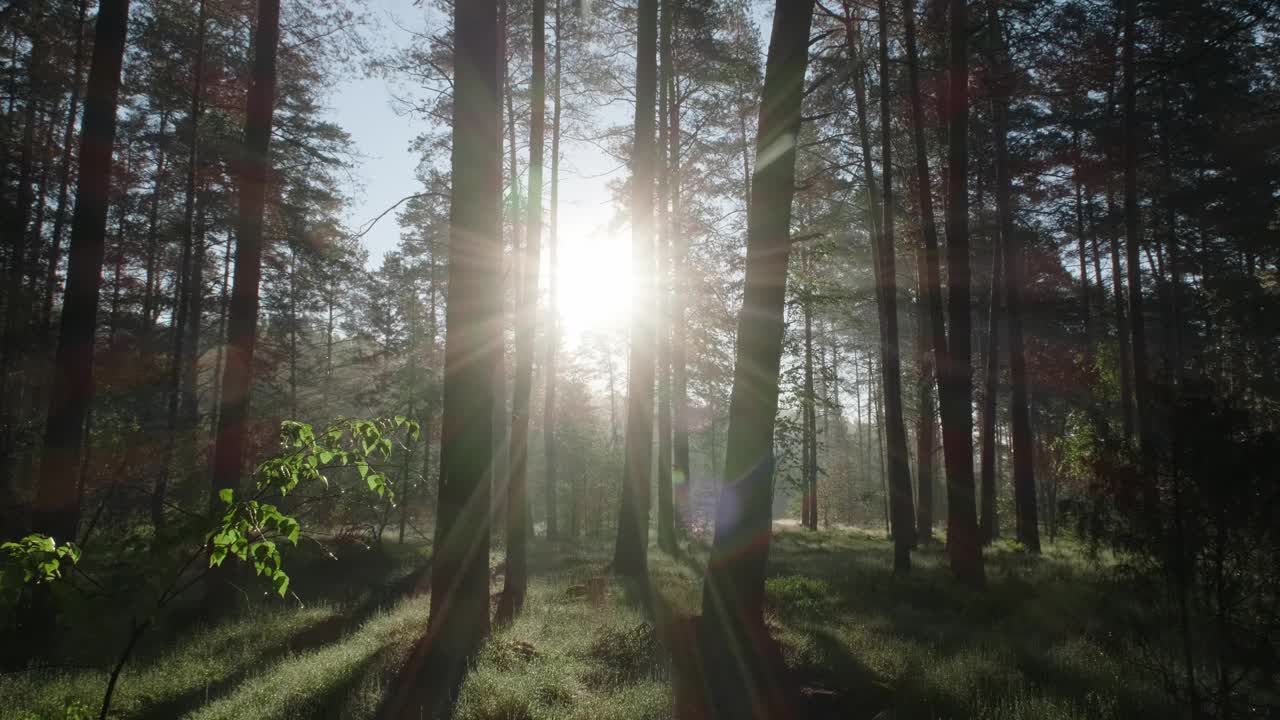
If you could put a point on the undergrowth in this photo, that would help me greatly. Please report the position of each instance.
(1039, 642)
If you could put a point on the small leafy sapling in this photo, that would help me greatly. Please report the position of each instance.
(249, 529)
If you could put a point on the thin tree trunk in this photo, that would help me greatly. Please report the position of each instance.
(1122, 325)
(415, 334)
(64, 178)
(17, 304)
(989, 523)
(553, 319)
(1024, 484)
(1085, 292)
(56, 508)
(681, 470)
(810, 474)
(904, 530)
(1137, 322)
(187, 283)
(630, 553)
(733, 590)
(931, 340)
(517, 573)
(224, 298)
(877, 392)
(662, 285)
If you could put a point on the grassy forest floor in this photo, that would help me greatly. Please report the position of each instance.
(859, 643)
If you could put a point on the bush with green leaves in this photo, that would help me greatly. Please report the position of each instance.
(34, 559)
(250, 528)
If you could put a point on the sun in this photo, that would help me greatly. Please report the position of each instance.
(593, 277)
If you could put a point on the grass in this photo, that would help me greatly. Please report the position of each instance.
(858, 642)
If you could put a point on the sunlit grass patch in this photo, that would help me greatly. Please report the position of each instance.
(574, 652)
(205, 658)
(313, 684)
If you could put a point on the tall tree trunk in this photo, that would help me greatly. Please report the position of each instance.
(57, 510)
(1174, 330)
(460, 618)
(630, 553)
(553, 318)
(904, 530)
(808, 464)
(662, 285)
(931, 341)
(679, 298)
(853, 41)
(404, 489)
(955, 371)
(500, 471)
(1024, 483)
(1024, 477)
(877, 392)
(1137, 322)
(733, 590)
(242, 312)
(989, 522)
(517, 569)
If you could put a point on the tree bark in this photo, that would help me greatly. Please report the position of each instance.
(553, 331)
(57, 509)
(516, 579)
(989, 521)
(679, 297)
(956, 386)
(630, 553)
(1137, 322)
(1024, 483)
(733, 590)
(900, 500)
(931, 340)
(460, 618)
(242, 311)
(666, 519)
(187, 283)
(809, 464)
(64, 178)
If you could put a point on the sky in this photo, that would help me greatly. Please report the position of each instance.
(593, 255)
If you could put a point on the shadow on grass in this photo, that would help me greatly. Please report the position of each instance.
(325, 632)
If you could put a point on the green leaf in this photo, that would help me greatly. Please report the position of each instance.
(227, 495)
(281, 582)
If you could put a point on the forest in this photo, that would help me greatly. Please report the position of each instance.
(721, 359)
